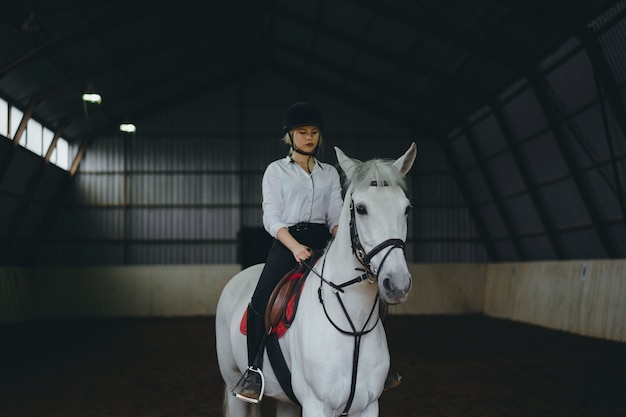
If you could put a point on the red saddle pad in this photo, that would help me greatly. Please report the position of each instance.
(281, 328)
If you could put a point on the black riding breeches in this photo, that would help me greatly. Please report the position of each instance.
(280, 260)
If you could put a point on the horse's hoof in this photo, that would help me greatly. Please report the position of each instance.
(393, 380)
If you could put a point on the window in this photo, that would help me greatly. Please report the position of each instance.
(4, 118)
(33, 141)
(36, 137)
(60, 156)
(15, 116)
(46, 137)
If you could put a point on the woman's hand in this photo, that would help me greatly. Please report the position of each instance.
(301, 253)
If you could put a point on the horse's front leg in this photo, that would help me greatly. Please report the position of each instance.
(371, 410)
(287, 410)
(313, 408)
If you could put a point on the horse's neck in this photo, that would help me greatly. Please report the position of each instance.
(340, 261)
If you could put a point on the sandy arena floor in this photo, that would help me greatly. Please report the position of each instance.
(452, 366)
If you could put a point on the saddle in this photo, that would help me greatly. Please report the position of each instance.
(283, 303)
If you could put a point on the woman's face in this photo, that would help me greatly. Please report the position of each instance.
(306, 138)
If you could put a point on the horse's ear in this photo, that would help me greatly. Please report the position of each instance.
(405, 162)
(347, 164)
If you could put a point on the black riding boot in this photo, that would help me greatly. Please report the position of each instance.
(251, 385)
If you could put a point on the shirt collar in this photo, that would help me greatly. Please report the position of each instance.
(287, 160)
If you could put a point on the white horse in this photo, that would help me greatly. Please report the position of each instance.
(336, 347)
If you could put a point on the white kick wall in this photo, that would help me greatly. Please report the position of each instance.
(586, 297)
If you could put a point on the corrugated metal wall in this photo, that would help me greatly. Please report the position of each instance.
(181, 191)
(28, 188)
(545, 168)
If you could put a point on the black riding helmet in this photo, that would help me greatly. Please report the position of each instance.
(302, 114)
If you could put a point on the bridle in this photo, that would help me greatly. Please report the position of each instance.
(364, 257)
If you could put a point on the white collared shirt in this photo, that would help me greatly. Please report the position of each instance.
(291, 195)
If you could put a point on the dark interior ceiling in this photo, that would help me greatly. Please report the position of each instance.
(429, 63)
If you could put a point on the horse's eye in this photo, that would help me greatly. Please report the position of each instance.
(408, 210)
(361, 209)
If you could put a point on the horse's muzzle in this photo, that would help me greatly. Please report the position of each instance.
(394, 290)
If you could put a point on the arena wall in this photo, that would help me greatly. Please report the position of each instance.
(583, 297)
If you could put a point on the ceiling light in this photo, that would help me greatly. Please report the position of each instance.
(127, 127)
(91, 95)
(93, 98)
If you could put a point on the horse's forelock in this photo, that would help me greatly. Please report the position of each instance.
(379, 170)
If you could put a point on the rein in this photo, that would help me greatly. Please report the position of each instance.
(364, 259)
(357, 334)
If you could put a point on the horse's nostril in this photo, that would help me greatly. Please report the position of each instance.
(386, 284)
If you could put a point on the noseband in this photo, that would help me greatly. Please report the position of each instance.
(364, 257)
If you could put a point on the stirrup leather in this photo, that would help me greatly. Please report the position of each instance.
(241, 384)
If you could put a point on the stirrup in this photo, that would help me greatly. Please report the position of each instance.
(251, 386)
